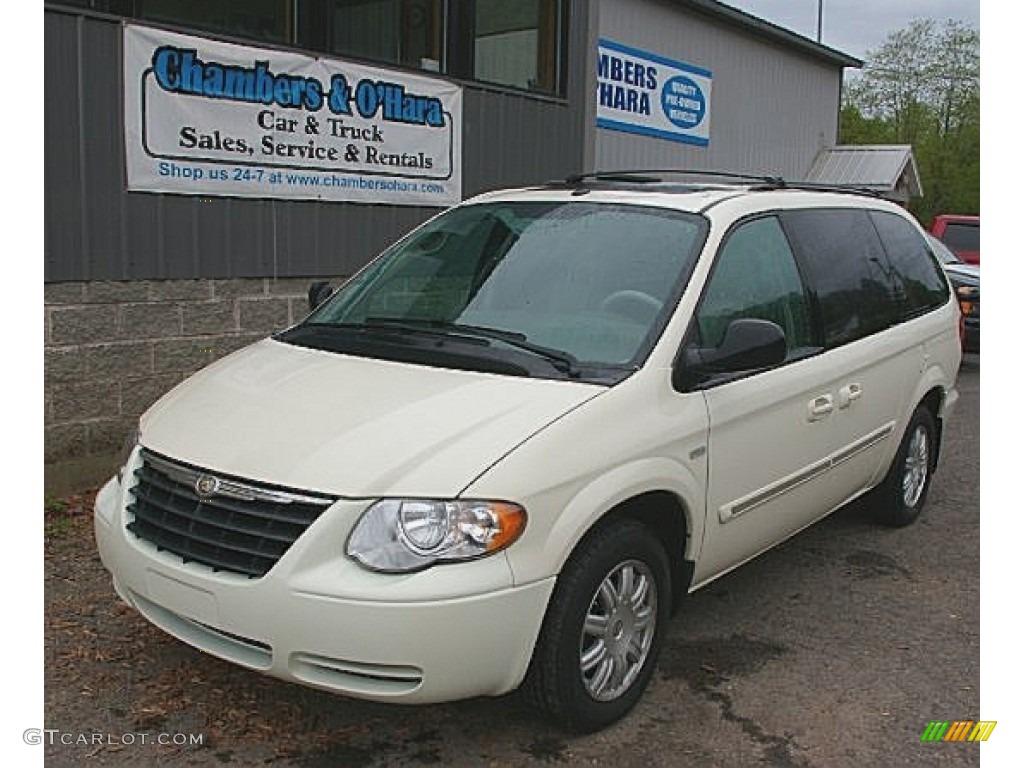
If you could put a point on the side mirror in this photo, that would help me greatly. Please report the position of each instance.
(749, 344)
(319, 292)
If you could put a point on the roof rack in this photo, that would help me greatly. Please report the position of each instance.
(654, 176)
(818, 186)
(756, 182)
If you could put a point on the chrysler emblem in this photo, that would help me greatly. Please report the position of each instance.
(206, 486)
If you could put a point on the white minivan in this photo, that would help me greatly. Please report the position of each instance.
(502, 453)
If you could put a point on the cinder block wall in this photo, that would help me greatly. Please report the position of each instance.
(113, 348)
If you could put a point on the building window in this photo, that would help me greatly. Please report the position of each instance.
(404, 32)
(269, 20)
(517, 43)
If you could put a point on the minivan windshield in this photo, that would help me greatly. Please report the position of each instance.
(553, 289)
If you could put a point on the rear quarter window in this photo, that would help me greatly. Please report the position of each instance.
(923, 283)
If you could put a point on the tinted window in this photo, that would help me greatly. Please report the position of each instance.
(516, 43)
(848, 270)
(756, 277)
(520, 43)
(259, 19)
(403, 31)
(924, 285)
(961, 236)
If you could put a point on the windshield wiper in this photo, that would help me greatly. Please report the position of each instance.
(566, 362)
(563, 361)
(392, 325)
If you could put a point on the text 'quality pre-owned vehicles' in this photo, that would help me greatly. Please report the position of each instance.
(501, 454)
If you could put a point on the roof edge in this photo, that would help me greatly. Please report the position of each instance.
(872, 147)
(771, 31)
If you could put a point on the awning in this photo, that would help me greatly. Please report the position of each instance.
(888, 169)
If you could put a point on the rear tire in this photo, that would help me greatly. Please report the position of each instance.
(901, 496)
(603, 629)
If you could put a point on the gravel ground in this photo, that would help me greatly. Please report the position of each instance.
(835, 649)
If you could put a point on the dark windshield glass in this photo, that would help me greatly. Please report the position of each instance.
(591, 283)
(962, 236)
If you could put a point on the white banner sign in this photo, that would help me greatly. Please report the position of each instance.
(212, 118)
(644, 93)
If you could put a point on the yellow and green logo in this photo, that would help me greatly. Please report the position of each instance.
(958, 730)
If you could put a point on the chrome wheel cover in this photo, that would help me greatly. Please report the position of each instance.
(915, 468)
(618, 630)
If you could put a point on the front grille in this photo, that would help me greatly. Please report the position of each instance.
(241, 527)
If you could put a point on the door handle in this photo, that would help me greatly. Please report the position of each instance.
(848, 394)
(819, 407)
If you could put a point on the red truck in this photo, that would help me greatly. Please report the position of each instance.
(961, 234)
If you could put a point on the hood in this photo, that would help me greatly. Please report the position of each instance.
(350, 426)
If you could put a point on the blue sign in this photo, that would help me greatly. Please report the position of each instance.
(683, 102)
(645, 93)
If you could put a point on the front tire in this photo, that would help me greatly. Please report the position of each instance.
(901, 496)
(603, 629)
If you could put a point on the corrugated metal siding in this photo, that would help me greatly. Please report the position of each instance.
(63, 225)
(772, 109)
(95, 230)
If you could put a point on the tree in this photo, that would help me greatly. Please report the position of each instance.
(922, 87)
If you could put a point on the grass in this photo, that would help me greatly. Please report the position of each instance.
(60, 513)
(55, 506)
(57, 527)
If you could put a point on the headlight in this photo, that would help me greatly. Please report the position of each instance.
(398, 535)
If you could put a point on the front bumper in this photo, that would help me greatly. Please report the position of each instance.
(316, 618)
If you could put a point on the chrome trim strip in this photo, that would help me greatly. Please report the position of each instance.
(741, 506)
(230, 488)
